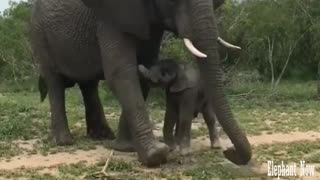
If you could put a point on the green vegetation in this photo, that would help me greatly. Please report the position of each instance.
(293, 152)
(15, 50)
(274, 32)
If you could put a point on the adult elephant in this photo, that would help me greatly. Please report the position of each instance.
(84, 41)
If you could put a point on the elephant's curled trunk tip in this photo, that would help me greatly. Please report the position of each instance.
(238, 158)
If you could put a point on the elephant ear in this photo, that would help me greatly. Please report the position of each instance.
(187, 78)
(130, 16)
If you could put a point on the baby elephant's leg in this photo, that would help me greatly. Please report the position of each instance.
(170, 120)
(183, 136)
(210, 119)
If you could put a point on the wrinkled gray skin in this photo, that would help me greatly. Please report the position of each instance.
(184, 100)
(84, 41)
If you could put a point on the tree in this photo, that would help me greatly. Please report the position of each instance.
(15, 51)
(280, 38)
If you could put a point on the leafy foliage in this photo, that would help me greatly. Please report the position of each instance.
(277, 31)
(15, 52)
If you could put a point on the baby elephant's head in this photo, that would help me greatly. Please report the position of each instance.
(162, 74)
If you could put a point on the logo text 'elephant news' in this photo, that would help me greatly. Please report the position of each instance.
(292, 169)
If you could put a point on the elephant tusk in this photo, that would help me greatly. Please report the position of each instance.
(228, 45)
(192, 49)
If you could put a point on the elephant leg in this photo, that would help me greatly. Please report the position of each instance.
(146, 54)
(150, 151)
(124, 141)
(186, 110)
(59, 124)
(121, 74)
(60, 132)
(170, 120)
(210, 119)
(97, 126)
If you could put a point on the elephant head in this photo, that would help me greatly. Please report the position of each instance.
(162, 74)
(194, 22)
(169, 74)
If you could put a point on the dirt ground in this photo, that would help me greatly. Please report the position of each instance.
(48, 164)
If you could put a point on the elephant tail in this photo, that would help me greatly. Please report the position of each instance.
(42, 88)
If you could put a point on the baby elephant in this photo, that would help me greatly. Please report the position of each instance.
(184, 100)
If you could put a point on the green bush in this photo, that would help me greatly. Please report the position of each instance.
(172, 47)
(15, 52)
(290, 26)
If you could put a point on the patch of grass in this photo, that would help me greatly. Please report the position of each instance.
(201, 131)
(76, 170)
(25, 174)
(292, 152)
(8, 150)
(205, 164)
(46, 147)
(291, 107)
(24, 117)
(124, 170)
(208, 172)
(16, 86)
(72, 171)
(287, 90)
(19, 119)
(120, 166)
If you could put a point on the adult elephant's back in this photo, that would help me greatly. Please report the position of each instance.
(67, 31)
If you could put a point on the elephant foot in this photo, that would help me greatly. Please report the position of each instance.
(172, 147)
(101, 133)
(156, 155)
(216, 144)
(63, 138)
(123, 146)
(232, 155)
(171, 144)
(184, 150)
(184, 146)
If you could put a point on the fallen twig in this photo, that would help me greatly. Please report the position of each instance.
(103, 171)
(105, 167)
(243, 94)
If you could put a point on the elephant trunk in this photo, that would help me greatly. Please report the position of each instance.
(205, 37)
(144, 71)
